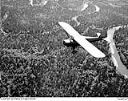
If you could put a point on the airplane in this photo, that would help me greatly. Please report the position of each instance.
(79, 40)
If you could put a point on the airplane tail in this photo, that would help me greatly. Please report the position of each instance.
(110, 34)
(81, 40)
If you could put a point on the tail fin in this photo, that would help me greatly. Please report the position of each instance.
(110, 33)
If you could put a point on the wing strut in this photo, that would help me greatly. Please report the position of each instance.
(82, 41)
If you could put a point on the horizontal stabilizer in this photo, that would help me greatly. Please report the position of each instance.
(82, 41)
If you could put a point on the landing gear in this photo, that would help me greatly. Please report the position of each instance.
(74, 51)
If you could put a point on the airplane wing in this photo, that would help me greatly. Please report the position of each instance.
(82, 41)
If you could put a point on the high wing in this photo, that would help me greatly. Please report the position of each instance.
(82, 40)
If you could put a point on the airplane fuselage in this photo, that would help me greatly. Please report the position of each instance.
(72, 43)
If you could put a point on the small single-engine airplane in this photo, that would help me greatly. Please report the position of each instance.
(76, 39)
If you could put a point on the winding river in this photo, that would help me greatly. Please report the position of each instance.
(114, 53)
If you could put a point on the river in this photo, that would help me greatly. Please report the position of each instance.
(114, 53)
(121, 68)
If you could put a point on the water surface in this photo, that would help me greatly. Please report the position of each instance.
(121, 68)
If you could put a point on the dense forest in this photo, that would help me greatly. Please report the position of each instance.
(35, 63)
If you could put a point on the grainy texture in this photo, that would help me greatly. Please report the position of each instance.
(34, 61)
